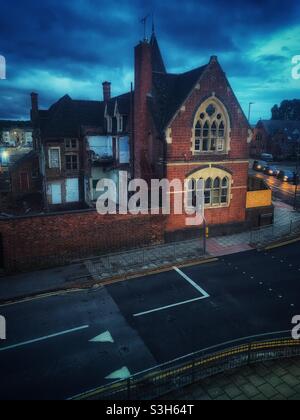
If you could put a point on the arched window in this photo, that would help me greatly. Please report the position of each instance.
(207, 192)
(216, 191)
(211, 128)
(198, 135)
(216, 183)
(225, 191)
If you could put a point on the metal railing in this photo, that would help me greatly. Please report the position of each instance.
(274, 232)
(159, 255)
(188, 370)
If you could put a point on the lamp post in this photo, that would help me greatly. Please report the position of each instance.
(297, 175)
(249, 113)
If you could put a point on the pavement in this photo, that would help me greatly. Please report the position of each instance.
(87, 273)
(271, 381)
(63, 345)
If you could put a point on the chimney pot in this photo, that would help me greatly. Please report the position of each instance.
(34, 105)
(106, 91)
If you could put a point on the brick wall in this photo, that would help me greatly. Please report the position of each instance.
(182, 162)
(30, 170)
(43, 241)
(235, 213)
(143, 86)
(213, 82)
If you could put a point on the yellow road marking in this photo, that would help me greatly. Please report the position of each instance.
(292, 241)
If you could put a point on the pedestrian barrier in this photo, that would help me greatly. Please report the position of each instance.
(185, 371)
(274, 232)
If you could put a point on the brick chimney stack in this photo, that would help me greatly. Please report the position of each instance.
(143, 87)
(106, 91)
(34, 106)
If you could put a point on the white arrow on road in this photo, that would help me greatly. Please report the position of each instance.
(120, 374)
(103, 338)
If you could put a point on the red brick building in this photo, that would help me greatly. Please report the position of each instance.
(278, 137)
(191, 126)
(174, 126)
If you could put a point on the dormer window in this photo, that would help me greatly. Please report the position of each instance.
(119, 123)
(211, 128)
(109, 124)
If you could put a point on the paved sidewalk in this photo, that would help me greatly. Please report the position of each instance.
(133, 262)
(277, 380)
(145, 259)
(285, 218)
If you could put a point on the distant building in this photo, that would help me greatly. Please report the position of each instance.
(20, 184)
(175, 126)
(279, 138)
(16, 133)
(80, 142)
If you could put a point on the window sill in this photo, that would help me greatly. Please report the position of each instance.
(216, 206)
(209, 153)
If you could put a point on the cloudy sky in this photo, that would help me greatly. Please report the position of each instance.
(56, 47)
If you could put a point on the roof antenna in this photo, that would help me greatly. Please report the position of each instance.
(153, 24)
(144, 22)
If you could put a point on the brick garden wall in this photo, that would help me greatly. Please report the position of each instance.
(44, 241)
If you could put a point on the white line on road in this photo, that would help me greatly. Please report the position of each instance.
(169, 306)
(37, 340)
(204, 294)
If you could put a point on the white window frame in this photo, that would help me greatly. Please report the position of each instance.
(120, 123)
(109, 124)
(222, 143)
(50, 193)
(59, 157)
(121, 154)
(68, 180)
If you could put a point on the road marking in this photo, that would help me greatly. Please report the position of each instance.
(279, 245)
(95, 391)
(120, 374)
(204, 294)
(103, 338)
(40, 297)
(37, 340)
(163, 308)
(192, 283)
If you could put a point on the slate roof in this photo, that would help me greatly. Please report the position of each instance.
(65, 117)
(10, 124)
(274, 126)
(170, 91)
(158, 64)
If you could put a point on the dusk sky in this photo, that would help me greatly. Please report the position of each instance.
(56, 47)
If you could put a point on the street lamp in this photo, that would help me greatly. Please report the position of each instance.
(297, 175)
(249, 113)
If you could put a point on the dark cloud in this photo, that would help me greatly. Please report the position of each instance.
(91, 40)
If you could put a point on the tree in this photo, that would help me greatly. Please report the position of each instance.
(287, 111)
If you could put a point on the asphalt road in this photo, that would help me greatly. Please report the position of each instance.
(146, 321)
(282, 190)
